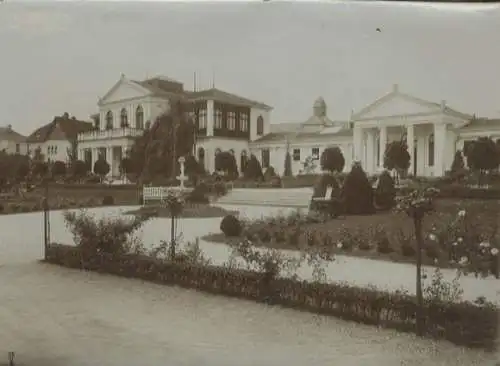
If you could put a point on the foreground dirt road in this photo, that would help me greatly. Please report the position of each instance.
(52, 316)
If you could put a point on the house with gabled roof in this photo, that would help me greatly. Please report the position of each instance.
(11, 141)
(433, 133)
(55, 138)
(224, 121)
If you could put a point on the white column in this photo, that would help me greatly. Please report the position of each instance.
(439, 146)
(382, 145)
(95, 152)
(210, 117)
(358, 143)
(370, 152)
(410, 140)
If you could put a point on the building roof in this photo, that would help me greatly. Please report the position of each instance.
(225, 97)
(61, 128)
(162, 86)
(8, 134)
(480, 124)
(300, 136)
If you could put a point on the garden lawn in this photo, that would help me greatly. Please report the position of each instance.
(359, 234)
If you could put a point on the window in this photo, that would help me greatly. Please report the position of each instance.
(49, 150)
(265, 158)
(260, 126)
(315, 153)
(244, 122)
(109, 120)
(231, 121)
(202, 119)
(139, 118)
(18, 148)
(55, 149)
(296, 154)
(431, 151)
(218, 118)
(123, 118)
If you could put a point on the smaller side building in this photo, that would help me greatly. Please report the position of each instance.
(58, 138)
(11, 141)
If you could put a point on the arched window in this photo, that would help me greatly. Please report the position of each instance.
(109, 120)
(243, 160)
(231, 151)
(260, 126)
(139, 118)
(201, 157)
(430, 153)
(123, 118)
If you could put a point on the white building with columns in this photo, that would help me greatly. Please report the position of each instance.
(433, 131)
(225, 122)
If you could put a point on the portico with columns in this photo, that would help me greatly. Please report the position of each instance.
(430, 130)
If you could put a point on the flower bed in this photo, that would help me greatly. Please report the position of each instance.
(16, 206)
(189, 211)
(457, 191)
(461, 323)
(389, 236)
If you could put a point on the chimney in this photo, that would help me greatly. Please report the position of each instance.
(9, 128)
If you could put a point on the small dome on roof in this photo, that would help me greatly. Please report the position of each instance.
(319, 107)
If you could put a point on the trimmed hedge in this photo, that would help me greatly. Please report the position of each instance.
(461, 323)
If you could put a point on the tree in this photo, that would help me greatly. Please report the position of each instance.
(396, 156)
(193, 168)
(253, 170)
(357, 192)
(332, 159)
(288, 165)
(126, 166)
(172, 135)
(79, 169)
(226, 162)
(39, 169)
(385, 193)
(482, 156)
(58, 168)
(101, 167)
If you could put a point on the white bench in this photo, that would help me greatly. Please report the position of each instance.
(159, 193)
(327, 196)
(154, 194)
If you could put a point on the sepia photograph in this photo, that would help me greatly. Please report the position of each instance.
(247, 183)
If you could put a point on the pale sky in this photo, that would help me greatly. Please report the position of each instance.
(58, 57)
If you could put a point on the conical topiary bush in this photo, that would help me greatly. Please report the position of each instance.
(357, 192)
(385, 193)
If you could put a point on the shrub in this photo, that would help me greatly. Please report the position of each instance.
(253, 170)
(199, 194)
(332, 159)
(108, 200)
(105, 235)
(14, 207)
(276, 182)
(1, 208)
(220, 189)
(231, 226)
(226, 162)
(385, 193)
(269, 174)
(357, 192)
(288, 165)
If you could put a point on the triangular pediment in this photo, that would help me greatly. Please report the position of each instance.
(124, 89)
(396, 104)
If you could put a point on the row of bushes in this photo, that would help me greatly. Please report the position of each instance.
(461, 323)
(61, 204)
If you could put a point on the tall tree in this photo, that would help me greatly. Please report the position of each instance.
(397, 157)
(172, 135)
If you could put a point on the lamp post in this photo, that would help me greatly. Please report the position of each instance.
(46, 215)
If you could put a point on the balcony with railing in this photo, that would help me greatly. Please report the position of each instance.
(123, 132)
